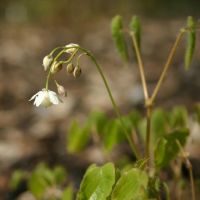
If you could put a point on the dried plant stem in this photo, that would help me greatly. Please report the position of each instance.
(167, 65)
(148, 102)
(141, 66)
(189, 167)
(148, 137)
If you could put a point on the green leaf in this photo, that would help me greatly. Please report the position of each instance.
(159, 124)
(178, 117)
(136, 28)
(117, 34)
(68, 193)
(142, 126)
(190, 44)
(113, 134)
(97, 120)
(16, 178)
(132, 185)
(77, 137)
(97, 183)
(134, 117)
(59, 174)
(37, 185)
(41, 178)
(167, 148)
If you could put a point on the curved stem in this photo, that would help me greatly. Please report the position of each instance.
(57, 57)
(54, 50)
(131, 142)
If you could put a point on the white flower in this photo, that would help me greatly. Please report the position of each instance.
(71, 50)
(45, 98)
(47, 60)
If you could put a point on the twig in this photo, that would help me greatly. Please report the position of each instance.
(189, 167)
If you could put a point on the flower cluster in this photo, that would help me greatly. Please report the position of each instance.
(53, 64)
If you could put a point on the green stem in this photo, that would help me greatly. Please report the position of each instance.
(148, 136)
(131, 142)
(56, 58)
(148, 102)
(167, 65)
(141, 66)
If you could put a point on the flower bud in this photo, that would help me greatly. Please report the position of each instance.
(77, 72)
(70, 48)
(56, 67)
(70, 68)
(61, 90)
(47, 60)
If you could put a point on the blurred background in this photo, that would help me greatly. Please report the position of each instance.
(31, 29)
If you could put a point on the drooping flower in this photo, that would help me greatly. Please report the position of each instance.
(71, 49)
(45, 98)
(47, 60)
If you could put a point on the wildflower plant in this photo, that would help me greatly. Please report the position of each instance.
(164, 135)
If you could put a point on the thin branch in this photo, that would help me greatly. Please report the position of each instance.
(167, 65)
(189, 167)
(141, 66)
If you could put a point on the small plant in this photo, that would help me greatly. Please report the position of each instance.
(162, 134)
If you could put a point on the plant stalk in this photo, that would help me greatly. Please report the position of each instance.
(167, 65)
(141, 66)
(131, 141)
(148, 136)
(189, 167)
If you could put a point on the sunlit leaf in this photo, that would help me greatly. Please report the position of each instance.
(132, 185)
(97, 183)
(37, 185)
(68, 193)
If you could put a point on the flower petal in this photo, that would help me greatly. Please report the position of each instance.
(34, 95)
(39, 99)
(54, 98)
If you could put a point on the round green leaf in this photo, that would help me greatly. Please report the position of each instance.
(131, 186)
(97, 183)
